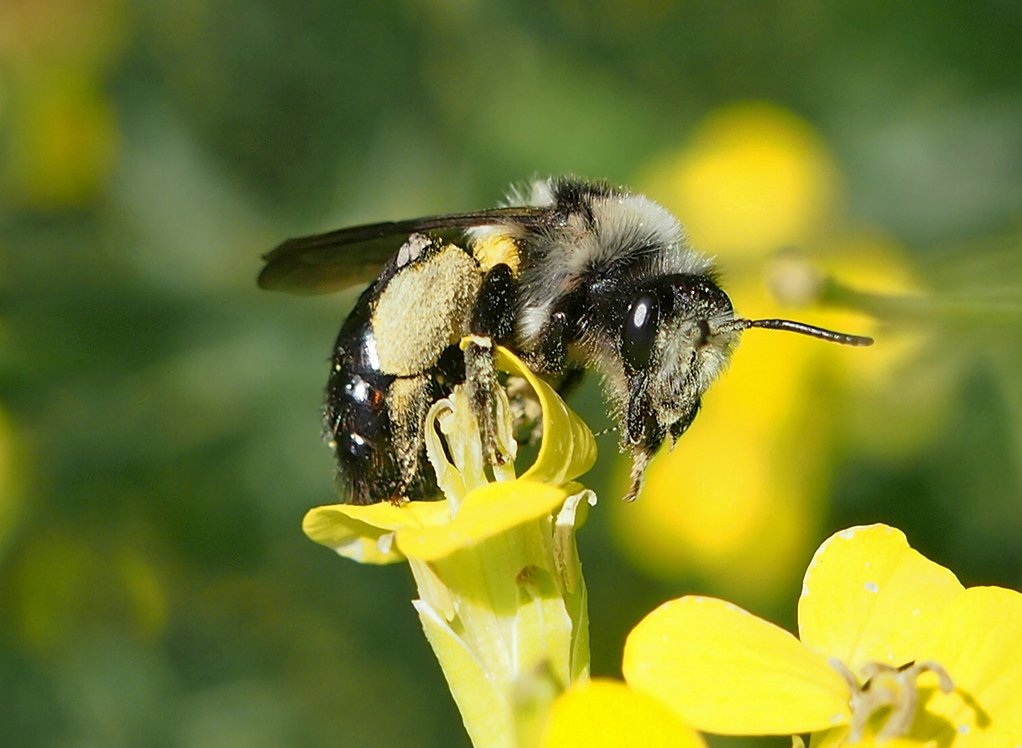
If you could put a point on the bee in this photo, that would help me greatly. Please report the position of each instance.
(571, 275)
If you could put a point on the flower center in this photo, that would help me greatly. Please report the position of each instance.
(887, 696)
(455, 446)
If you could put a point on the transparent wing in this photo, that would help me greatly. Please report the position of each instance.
(327, 262)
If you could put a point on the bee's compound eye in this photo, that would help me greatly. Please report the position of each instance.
(639, 333)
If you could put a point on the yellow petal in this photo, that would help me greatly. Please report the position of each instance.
(875, 742)
(978, 641)
(608, 714)
(485, 512)
(360, 532)
(838, 738)
(568, 448)
(723, 670)
(867, 596)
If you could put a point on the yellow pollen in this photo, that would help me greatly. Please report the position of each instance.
(499, 249)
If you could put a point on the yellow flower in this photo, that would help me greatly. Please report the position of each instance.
(501, 595)
(892, 646)
(604, 713)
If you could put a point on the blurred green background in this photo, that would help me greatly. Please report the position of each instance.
(159, 416)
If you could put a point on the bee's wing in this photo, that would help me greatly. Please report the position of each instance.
(322, 263)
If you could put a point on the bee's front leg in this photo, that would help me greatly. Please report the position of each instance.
(492, 322)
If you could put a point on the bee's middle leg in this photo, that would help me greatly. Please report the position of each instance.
(492, 322)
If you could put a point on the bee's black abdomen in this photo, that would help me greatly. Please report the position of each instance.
(358, 423)
(369, 468)
(355, 413)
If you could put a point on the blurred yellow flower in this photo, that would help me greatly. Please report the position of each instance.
(892, 646)
(11, 501)
(61, 144)
(752, 178)
(866, 386)
(68, 580)
(501, 595)
(61, 136)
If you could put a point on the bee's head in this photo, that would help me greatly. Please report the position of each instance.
(676, 336)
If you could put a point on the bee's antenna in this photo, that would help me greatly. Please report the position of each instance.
(803, 329)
